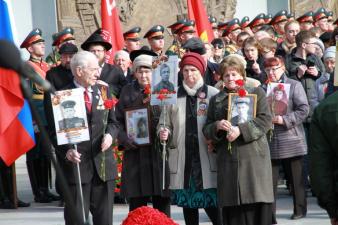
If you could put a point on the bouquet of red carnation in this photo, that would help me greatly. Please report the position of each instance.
(147, 216)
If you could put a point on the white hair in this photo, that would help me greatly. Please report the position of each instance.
(123, 54)
(81, 59)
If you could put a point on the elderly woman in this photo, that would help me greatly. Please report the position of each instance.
(288, 144)
(244, 180)
(142, 165)
(192, 167)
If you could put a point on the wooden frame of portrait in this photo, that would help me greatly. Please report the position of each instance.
(250, 99)
(137, 122)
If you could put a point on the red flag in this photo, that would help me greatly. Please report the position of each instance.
(16, 128)
(111, 23)
(197, 12)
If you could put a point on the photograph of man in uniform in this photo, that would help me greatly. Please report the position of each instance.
(69, 121)
(242, 107)
(142, 128)
(164, 83)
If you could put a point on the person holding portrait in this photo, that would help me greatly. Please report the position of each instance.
(244, 181)
(142, 164)
(193, 173)
(288, 145)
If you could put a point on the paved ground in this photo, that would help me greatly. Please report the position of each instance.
(51, 214)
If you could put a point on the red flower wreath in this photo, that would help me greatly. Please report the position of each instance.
(147, 216)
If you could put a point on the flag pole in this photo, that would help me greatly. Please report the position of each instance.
(79, 187)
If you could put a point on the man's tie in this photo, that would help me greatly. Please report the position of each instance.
(87, 101)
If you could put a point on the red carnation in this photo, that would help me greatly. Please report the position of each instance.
(161, 97)
(241, 92)
(240, 82)
(147, 90)
(110, 103)
(281, 87)
(164, 91)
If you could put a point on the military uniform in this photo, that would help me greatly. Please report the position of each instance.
(156, 32)
(306, 20)
(233, 25)
(175, 47)
(38, 164)
(132, 35)
(67, 34)
(280, 17)
(257, 22)
(70, 123)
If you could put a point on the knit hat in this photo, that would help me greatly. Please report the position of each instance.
(194, 59)
(330, 52)
(142, 58)
(320, 44)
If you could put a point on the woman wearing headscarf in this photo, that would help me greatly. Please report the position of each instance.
(142, 165)
(244, 180)
(192, 167)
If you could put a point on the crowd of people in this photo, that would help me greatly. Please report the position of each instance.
(281, 69)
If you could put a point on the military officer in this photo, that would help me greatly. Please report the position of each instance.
(38, 164)
(155, 37)
(70, 120)
(306, 21)
(175, 48)
(213, 23)
(290, 16)
(257, 22)
(132, 39)
(231, 31)
(330, 20)
(268, 18)
(245, 25)
(278, 22)
(165, 82)
(320, 20)
(64, 36)
(187, 31)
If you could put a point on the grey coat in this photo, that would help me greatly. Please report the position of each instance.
(176, 122)
(244, 175)
(288, 140)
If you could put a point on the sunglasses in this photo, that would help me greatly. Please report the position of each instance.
(219, 46)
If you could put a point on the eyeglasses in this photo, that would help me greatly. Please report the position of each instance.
(272, 69)
(219, 46)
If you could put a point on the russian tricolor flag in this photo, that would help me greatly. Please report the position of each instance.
(16, 126)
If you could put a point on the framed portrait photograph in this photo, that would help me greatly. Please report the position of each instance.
(138, 125)
(278, 98)
(70, 117)
(164, 77)
(241, 109)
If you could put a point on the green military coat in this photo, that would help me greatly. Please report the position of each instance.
(244, 174)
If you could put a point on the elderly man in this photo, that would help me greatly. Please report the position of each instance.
(123, 61)
(95, 157)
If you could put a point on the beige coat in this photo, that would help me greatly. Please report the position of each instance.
(176, 122)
